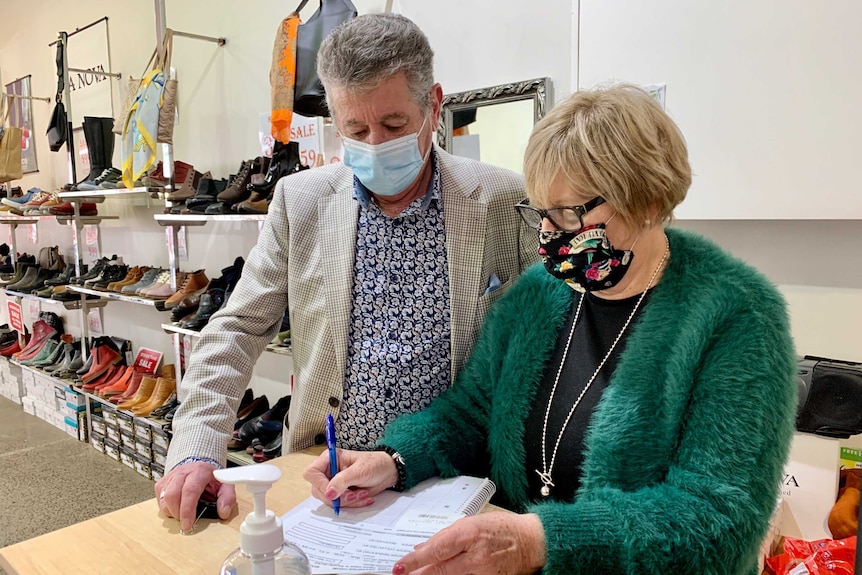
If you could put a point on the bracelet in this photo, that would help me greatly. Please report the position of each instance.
(212, 462)
(401, 484)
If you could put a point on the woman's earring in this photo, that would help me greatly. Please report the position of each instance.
(646, 222)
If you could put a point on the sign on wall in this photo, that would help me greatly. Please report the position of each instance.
(21, 116)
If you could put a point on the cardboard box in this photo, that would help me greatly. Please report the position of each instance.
(75, 398)
(160, 455)
(143, 431)
(127, 457)
(113, 433)
(142, 466)
(98, 442)
(71, 426)
(98, 425)
(125, 422)
(160, 438)
(157, 471)
(810, 486)
(28, 405)
(127, 439)
(112, 449)
(144, 449)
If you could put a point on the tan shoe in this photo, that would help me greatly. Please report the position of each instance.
(164, 389)
(145, 390)
(195, 283)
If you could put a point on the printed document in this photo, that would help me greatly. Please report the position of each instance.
(373, 539)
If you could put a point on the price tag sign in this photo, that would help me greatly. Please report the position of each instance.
(91, 238)
(94, 322)
(333, 149)
(35, 308)
(303, 130)
(33, 234)
(186, 345)
(148, 359)
(181, 244)
(16, 320)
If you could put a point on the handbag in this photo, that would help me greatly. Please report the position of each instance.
(10, 148)
(58, 127)
(309, 97)
(168, 107)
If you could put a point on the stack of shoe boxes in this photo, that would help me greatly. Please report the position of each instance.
(131, 440)
(11, 385)
(76, 414)
(44, 399)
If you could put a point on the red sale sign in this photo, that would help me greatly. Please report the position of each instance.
(15, 317)
(148, 360)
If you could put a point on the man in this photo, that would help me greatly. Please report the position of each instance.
(388, 264)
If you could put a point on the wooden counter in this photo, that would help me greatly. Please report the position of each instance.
(138, 540)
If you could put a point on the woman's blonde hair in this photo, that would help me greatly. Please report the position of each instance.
(615, 142)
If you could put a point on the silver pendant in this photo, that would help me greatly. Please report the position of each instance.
(546, 479)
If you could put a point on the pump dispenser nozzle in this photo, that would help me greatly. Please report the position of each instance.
(262, 544)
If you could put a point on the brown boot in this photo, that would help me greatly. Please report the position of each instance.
(195, 283)
(257, 204)
(164, 389)
(148, 384)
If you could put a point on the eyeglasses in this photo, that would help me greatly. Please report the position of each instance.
(569, 218)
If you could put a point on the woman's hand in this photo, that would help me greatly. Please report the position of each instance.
(362, 475)
(498, 543)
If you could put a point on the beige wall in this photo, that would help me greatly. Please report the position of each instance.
(222, 90)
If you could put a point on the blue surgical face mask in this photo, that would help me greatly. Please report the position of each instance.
(386, 169)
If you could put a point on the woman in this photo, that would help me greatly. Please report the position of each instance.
(632, 398)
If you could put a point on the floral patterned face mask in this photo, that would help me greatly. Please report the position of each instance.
(584, 258)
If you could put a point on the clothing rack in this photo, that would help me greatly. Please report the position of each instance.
(10, 95)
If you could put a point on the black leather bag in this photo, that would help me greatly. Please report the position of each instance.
(309, 97)
(830, 397)
(58, 128)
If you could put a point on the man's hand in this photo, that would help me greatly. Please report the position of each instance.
(179, 490)
(362, 475)
(498, 543)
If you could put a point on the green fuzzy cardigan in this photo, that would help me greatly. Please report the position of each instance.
(685, 451)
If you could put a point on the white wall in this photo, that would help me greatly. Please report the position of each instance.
(477, 44)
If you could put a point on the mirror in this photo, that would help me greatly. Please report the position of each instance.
(493, 124)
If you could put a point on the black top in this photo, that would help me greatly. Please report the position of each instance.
(600, 322)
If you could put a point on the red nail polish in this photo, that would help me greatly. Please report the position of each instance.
(330, 494)
(399, 569)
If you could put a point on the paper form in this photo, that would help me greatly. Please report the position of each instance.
(373, 539)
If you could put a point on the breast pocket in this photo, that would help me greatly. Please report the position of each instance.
(487, 300)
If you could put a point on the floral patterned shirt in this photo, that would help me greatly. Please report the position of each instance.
(399, 341)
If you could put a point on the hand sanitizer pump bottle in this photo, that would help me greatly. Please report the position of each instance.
(263, 550)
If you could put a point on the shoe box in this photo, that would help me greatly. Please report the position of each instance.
(133, 441)
(11, 384)
(45, 398)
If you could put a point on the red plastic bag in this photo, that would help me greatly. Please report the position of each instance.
(822, 557)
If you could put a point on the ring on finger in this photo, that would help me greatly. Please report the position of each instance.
(162, 495)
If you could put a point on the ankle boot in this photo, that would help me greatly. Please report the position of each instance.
(164, 389)
(131, 389)
(29, 277)
(145, 389)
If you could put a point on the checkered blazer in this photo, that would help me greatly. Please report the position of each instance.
(304, 260)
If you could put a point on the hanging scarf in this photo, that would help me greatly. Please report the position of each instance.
(142, 125)
(282, 77)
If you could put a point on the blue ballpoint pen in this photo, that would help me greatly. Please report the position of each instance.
(333, 460)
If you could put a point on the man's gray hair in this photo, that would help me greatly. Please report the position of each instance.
(365, 51)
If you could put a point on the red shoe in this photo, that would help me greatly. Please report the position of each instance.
(42, 332)
(66, 209)
(103, 358)
(106, 376)
(7, 351)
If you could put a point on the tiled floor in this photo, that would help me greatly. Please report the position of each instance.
(48, 480)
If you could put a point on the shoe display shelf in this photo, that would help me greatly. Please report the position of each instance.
(113, 296)
(53, 400)
(240, 458)
(69, 196)
(173, 328)
(86, 304)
